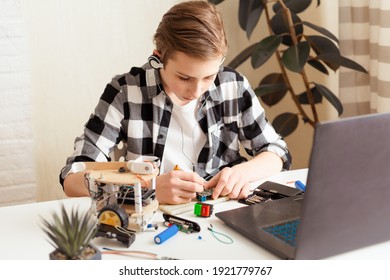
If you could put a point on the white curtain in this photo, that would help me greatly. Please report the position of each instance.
(365, 37)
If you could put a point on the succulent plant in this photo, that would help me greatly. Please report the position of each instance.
(71, 233)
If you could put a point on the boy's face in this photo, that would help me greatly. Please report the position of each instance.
(186, 78)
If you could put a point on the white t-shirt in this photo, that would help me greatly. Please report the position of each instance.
(185, 139)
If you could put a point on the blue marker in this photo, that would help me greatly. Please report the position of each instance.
(166, 234)
(300, 186)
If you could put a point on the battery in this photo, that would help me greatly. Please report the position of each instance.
(166, 234)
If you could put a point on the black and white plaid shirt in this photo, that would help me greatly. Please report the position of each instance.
(134, 108)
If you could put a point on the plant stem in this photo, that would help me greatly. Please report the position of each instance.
(303, 74)
(283, 70)
(288, 16)
(310, 97)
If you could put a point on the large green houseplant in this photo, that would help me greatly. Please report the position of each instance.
(294, 50)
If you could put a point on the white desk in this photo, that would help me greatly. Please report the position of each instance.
(22, 237)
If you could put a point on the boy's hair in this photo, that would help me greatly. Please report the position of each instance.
(194, 28)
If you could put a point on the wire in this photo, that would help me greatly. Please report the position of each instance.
(145, 183)
(140, 254)
(182, 141)
(130, 253)
(215, 233)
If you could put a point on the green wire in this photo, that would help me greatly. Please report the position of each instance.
(230, 240)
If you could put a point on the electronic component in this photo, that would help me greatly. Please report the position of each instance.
(121, 234)
(203, 196)
(269, 191)
(203, 209)
(166, 234)
(143, 165)
(126, 195)
(183, 224)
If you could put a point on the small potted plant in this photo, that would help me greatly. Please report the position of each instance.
(70, 234)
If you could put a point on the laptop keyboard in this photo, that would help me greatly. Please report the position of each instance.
(285, 231)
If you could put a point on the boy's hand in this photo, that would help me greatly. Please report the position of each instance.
(228, 182)
(177, 187)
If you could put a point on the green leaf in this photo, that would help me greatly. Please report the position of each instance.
(215, 2)
(242, 56)
(70, 233)
(254, 16)
(333, 99)
(304, 99)
(321, 30)
(295, 57)
(285, 123)
(264, 90)
(339, 60)
(279, 26)
(244, 10)
(318, 65)
(272, 89)
(265, 49)
(296, 6)
(321, 44)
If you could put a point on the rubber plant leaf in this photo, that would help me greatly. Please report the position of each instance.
(317, 97)
(318, 65)
(255, 11)
(265, 49)
(279, 26)
(295, 57)
(272, 89)
(329, 95)
(245, 8)
(322, 45)
(242, 56)
(215, 2)
(295, 6)
(333, 58)
(321, 30)
(285, 123)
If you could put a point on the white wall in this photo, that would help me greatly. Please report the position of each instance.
(17, 183)
(76, 48)
(72, 49)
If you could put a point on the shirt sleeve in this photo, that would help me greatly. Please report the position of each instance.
(258, 135)
(101, 132)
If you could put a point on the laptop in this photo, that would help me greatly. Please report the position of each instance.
(346, 205)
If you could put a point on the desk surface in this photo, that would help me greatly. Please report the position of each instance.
(22, 237)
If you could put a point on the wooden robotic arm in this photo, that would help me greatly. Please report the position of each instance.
(115, 180)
